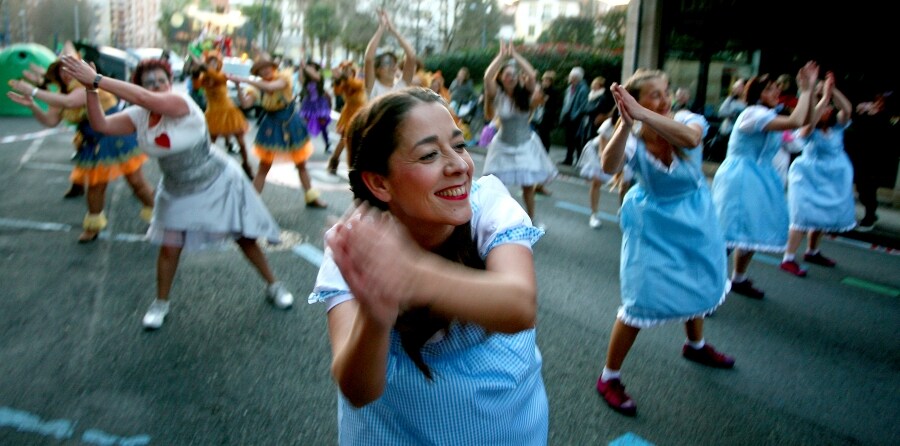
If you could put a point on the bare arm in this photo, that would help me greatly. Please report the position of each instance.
(612, 155)
(502, 298)
(409, 68)
(843, 105)
(490, 85)
(49, 118)
(163, 103)
(263, 85)
(676, 133)
(369, 65)
(524, 66)
(116, 124)
(802, 113)
(72, 99)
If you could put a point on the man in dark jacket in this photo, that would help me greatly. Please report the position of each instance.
(573, 108)
(546, 116)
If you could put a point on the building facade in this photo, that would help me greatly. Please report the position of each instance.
(133, 24)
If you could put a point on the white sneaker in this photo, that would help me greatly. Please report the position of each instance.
(279, 296)
(594, 222)
(156, 314)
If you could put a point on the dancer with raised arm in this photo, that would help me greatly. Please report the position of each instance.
(204, 198)
(673, 266)
(99, 158)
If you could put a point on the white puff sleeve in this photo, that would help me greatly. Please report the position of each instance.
(497, 218)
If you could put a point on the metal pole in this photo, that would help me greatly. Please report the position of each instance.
(264, 43)
(24, 34)
(77, 31)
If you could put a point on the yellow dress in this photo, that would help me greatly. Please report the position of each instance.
(100, 158)
(222, 116)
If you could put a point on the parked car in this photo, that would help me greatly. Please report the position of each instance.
(110, 61)
(177, 62)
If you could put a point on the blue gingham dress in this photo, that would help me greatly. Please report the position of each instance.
(487, 387)
(820, 184)
(673, 265)
(747, 190)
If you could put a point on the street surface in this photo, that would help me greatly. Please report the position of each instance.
(818, 361)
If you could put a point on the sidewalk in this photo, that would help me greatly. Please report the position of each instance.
(885, 234)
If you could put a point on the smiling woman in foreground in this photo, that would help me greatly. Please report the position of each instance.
(431, 290)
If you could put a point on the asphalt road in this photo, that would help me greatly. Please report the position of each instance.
(817, 360)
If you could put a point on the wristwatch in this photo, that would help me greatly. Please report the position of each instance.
(97, 81)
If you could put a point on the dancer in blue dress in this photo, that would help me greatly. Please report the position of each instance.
(820, 180)
(747, 191)
(431, 290)
(673, 264)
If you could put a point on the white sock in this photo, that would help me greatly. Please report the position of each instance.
(812, 252)
(738, 277)
(696, 345)
(609, 374)
(788, 257)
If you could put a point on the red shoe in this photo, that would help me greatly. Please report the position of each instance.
(746, 288)
(707, 356)
(819, 259)
(614, 393)
(793, 268)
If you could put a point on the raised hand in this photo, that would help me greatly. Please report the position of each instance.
(21, 87)
(20, 99)
(624, 102)
(387, 21)
(79, 69)
(829, 81)
(35, 74)
(808, 75)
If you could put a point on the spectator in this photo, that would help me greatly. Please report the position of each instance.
(462, 90)
(573, 108)
(546, 114)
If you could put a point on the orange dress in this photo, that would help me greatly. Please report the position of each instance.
(222, 116)
(354, 92)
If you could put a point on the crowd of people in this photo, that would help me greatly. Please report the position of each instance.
(444, 328)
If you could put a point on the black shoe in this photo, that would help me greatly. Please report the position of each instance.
(867, 223)
(75, 190)
(565, 163)
(819, 259)
(746, 288)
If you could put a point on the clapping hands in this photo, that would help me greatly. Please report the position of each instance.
(808, 76)
(629, 108)
(377, 258)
